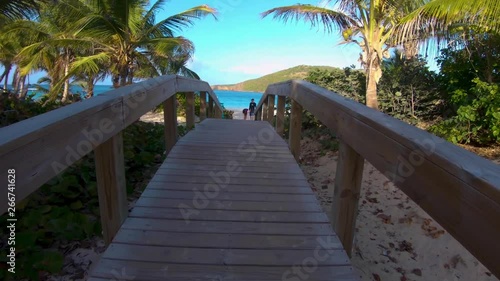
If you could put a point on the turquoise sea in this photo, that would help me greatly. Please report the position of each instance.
(231, 100)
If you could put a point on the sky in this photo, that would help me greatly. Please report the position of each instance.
(240, 45)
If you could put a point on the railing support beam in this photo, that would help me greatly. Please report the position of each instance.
(210, 107)
(270, 108)
(263, 110)
(189, 110)
(203, 106)
(280, 116)
(170, 117)
(295, 129)
(111, 185)
(346, 194)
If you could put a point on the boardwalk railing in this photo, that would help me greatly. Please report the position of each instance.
(459, 189)
(40, 148)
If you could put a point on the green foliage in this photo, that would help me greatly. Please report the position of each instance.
(66, 208)
(347, 82)
(470, 76)
(260, 84)
(477, 119)
(408, 90)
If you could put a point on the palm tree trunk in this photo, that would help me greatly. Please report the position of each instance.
(5, 76)
(15, 81)
(22, 88)
(371, 86)
(90, 87)
(66, 82)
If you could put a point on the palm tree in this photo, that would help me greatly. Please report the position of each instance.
(445, 14)
(366, 23)
(132, 41)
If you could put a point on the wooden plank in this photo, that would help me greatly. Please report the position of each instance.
(225, 178)
(241, 216)
(242, 173)
(225, 240)
(295, 129)
(132, 270)
(189, 110)
(280, 116)
(285, 169)
(203, 106)
(226, 162)
(234, 188)
(270, 109)
(227, 196)
(346, 194)
(259, 257)
(203, 203)
(111, 186)
(170, 117)
(256, 228)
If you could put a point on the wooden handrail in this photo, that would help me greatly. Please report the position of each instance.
(459, 189)
(41, 147)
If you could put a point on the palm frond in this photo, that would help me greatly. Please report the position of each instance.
(14, 9)
(182, 20)
(331, 20)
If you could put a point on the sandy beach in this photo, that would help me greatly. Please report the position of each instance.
(395, 239)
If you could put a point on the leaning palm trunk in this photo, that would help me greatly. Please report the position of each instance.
(22, 88)
(371, 85)
(66, 82)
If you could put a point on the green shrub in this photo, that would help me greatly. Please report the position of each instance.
(477, 119)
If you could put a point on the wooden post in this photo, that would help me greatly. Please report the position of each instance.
(203, 106)
(258, 114)
(111, 186)
(189, 110)
(263, 110)
(295, 129)
(210, 107)
(170, 117)
(218, 112)
(270, 109)
(280, 116)
(346, 194)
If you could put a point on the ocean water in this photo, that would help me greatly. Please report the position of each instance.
(231, 100)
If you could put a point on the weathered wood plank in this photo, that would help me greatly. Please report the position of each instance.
(222, 195)
(225, 178)
(270, 109)
(241, 216)
(131, 270)
(111, 186)
(233, 188)
(346, 194)
(251, 257)
(189, 110)
(225, 240)
(170, 119)
(295, 129)
(203, 106)
(280, 116)
(203, 203)
(257, 228)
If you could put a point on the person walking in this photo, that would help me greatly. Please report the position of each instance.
(251, 108)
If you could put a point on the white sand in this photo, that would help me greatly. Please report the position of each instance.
(395, 239)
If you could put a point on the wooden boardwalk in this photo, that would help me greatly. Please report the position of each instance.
(228, 203)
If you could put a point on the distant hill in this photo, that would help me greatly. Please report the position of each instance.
(260, 84)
